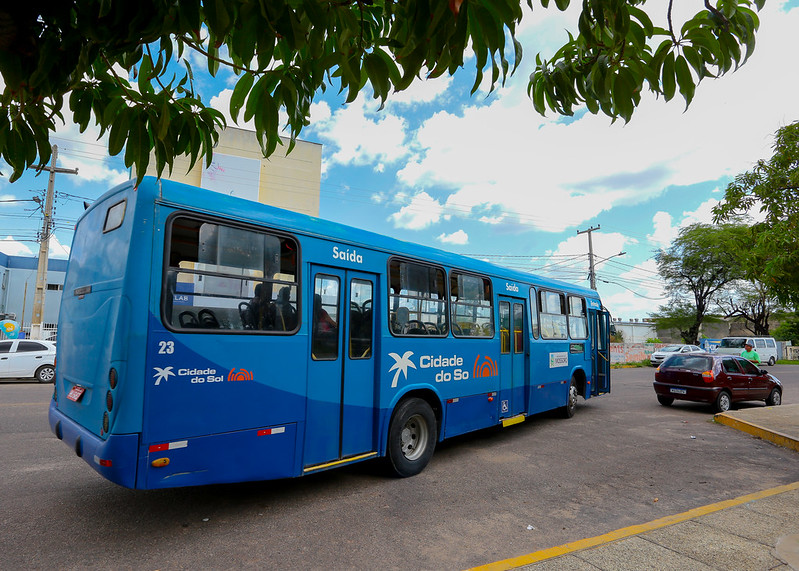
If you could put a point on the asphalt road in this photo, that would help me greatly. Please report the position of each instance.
(622, 460)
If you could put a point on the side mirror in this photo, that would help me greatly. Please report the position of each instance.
(763, 372)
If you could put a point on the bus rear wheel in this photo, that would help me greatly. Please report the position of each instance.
(412, 438)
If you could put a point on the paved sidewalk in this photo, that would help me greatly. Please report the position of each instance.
(753, 532)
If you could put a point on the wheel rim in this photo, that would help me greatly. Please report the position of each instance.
(775, 398)
(724, 402)
(572, 397)
(413, 438)
(47, 374)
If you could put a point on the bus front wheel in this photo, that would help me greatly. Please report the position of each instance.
(411, 438)
(571, 402)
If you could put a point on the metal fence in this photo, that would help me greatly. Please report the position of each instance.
(49, 332)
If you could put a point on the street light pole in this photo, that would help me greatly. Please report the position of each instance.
(44, 245)
(591, 273)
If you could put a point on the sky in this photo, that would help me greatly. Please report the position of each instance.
(486, 176)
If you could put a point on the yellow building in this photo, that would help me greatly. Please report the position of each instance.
(240, 169)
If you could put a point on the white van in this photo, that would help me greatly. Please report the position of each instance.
(766, 347)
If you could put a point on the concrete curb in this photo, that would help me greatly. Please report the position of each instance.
(756, 430)
(593, 542)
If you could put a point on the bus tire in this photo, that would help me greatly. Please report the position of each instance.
(412, 437)
(571, 400)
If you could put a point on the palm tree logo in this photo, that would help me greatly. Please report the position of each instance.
(401, 365)
(162, 374)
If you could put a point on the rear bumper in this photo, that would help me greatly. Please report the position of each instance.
(114, 458)
(696, 394)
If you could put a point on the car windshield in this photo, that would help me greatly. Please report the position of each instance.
(733, 343)
(690, 362)
(670, 349)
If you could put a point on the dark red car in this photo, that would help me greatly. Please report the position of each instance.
(716, 379)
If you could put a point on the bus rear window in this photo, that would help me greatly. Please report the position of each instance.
(224, 277)
(115, 216)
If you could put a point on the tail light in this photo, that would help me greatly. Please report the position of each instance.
(707, 376)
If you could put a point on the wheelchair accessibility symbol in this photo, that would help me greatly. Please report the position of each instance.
(504, 406)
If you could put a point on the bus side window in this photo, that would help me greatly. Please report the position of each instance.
(578, 328)
(360, 319)
(553, 315)
(534, 329)
(324, 323)
(471, 303)
(229, 278)
(504, 327)
(417, 302)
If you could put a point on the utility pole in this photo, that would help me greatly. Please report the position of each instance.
(44, 245)
(591, 273)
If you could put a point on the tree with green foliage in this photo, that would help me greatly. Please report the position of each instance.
(788, 330)
(772, 187)
(677, 316)
(696, 267)
(751, 302)
(123, 65)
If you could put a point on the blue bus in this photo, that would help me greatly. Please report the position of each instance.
(207, 339)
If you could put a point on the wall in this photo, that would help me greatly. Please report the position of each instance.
(20, 286)
(239, 168)
(632, 352)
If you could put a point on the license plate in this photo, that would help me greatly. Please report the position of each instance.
(678, 391)
(76, 392)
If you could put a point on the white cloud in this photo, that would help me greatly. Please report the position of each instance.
(421, 91)
(459, 238)
(569, 260)
(649, 292)
(557, 174)
(359, 134)
(11, 247)
(422, 211)
(88, 152)
(665, 231)
(57, 249)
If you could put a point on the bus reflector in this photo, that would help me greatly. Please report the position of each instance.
(268, 431)
(160, 462)
(112, 378)
(168, 446)
(102, 462)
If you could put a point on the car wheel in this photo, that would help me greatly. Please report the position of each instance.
(665, 401)
(571, 401)
(45, 374)
(412, 438)
(775, 398)
(723, 402)
(771, 361)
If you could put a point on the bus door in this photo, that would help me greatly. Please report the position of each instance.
(512, 356)
(600, 350)
(340, 410)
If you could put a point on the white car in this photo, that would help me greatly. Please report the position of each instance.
(656, 358)
(27, 359)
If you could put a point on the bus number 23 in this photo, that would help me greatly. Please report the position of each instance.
(166, 347)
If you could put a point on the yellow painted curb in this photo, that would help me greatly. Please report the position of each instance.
(630, 531)
(759, 431)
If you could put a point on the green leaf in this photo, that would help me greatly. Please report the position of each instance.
(118, 134)
(684, 79)
(240, 93)
(668, 77)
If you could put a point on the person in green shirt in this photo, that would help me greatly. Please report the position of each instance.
(751, 354)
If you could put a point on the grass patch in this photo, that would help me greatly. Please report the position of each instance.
(787, 362)
(632, 365)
